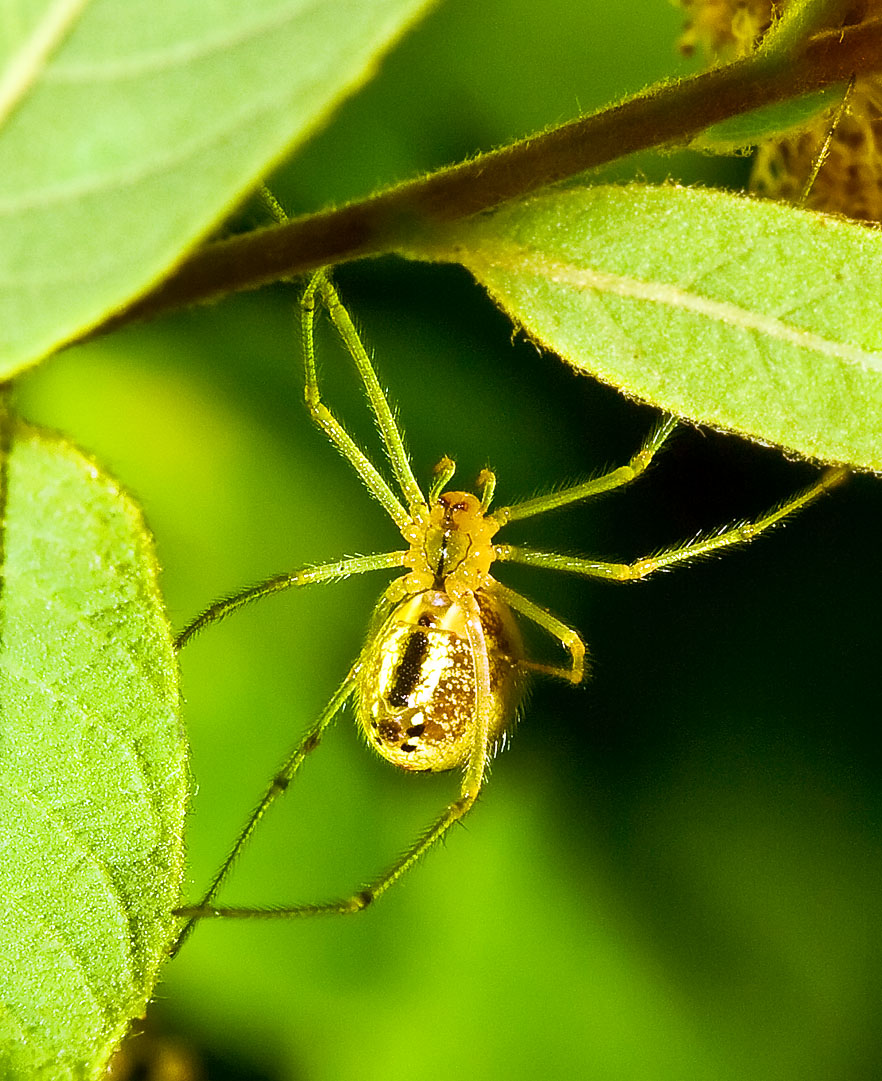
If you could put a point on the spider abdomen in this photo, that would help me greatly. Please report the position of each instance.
(418, 698)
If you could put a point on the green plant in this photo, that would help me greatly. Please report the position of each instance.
(90, 220)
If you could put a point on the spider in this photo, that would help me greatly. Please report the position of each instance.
(443, 669)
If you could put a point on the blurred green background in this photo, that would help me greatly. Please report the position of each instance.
(674, 872)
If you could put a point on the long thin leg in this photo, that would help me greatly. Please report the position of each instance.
(568, 638)
(344, 568)
(280, 783)
(471, 787)
(332, 427)
(323, 417)
(321, 287)
(616, 478)
(739, 533)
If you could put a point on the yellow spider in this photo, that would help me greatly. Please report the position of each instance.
(443, 668)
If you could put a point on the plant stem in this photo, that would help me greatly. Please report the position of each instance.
(670, 112)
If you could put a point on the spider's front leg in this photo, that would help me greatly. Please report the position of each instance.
(607, 482)
(307, 576)
(739, 533)
(321, 290)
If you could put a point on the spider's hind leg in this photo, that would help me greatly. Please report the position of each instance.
(279, 784)
(472, 782)
(571, 640)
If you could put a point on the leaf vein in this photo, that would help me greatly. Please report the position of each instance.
(115, 180)
(51, 931)
(179, 53)
(63, 829)
(29, 61)
(663, 293)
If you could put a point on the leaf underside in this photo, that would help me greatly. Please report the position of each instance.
(745, 315)
(129, 130)
(93, 775)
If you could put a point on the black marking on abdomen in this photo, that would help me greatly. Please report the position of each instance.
(408, 672)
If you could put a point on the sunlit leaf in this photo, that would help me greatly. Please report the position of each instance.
(93, 777)
(741, 314)
(127, 130)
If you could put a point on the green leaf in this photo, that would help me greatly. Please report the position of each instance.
(93, 774)
(741, 314)
(127, 130)
(739, 133)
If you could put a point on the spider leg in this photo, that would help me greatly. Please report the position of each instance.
(320, 288)
(570, 640)
(616, 478)
(343, 568)
(472, 782)
(739, 533)
(280, 782)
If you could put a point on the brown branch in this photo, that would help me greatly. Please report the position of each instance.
(670, 113)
